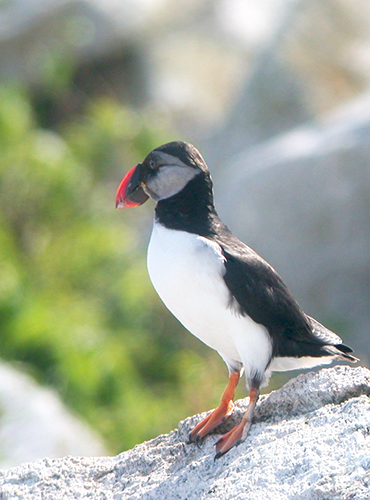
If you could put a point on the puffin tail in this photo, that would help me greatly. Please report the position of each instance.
(341, 351)
(331, 342)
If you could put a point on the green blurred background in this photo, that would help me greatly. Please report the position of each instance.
(76, 305)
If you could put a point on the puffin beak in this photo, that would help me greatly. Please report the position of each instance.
(130, 192)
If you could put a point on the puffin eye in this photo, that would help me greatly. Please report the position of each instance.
(152, 165)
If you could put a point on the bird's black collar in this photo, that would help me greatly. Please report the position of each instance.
(191, 209)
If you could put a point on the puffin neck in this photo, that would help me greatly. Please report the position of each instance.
(191, 209)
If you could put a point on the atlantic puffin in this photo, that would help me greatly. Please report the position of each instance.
(220, 289)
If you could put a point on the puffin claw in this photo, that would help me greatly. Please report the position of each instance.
(199, 441)
(218, 455)
(196, 439)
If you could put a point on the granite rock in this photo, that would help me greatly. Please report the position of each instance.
(310, 439)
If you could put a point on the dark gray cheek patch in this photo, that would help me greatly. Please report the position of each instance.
(168, 181)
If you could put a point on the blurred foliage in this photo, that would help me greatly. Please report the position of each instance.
(76, 304)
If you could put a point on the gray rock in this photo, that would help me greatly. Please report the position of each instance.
(251, 68)
(312, 61)
(34, 422)
(310, 440)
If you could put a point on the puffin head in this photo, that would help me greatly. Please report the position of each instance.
(165, 172)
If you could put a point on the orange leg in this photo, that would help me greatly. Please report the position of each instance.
(239, 433)
(220, 414)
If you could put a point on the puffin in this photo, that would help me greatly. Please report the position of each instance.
(220, 289)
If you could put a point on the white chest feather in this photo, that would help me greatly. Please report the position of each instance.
(187, 273)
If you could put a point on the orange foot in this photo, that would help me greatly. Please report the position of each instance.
(232, 438)
(239, 433)
(213, 420)
(220, 414)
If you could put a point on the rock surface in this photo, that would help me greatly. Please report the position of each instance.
(310, 439)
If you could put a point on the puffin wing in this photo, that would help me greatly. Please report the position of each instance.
(257, 290)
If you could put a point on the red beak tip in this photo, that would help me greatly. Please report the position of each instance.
(121, 200)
